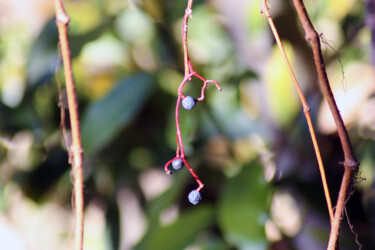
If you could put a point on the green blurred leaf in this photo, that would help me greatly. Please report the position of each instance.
(188, 125)
(165, 200)
(209, 42)
(282, 98)
(242, 208)
(182, 232)
(78, 41)
(104, 118)
(84, 16)
(229, 115)
(255, 21)
(43, 57)
(209, 243)
(134, 25)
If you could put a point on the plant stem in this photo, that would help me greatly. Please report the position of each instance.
(306, 109)
(76, 151)
(187, 63)
(350, 163)
(189, 73)
(313, 37)
(340, 206)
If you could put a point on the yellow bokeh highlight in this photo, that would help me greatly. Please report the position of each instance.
(99, 86)
(84, 16)
(338, 9)
(281, 97)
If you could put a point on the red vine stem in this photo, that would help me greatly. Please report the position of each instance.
(189, 73)
(306, 108)
(76, 151)
(350, 163)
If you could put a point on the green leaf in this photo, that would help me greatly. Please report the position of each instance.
(181, 233)
(209, 242)
(79, 41)
(106, 117)
(43, 59)
(41, 65)
(188, 125)
(211, 41)
(167, 199)
(281, 96)
(243, 206)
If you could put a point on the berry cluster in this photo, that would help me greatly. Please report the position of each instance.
(188, 103)
(179, 161)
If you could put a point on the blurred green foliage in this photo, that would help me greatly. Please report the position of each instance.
(249, 143)
(107, 116)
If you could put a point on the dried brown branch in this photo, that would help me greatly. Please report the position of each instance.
(75, 150)
(306, 108)
(350, 163)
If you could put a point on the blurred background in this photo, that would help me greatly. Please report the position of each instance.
(249, 144)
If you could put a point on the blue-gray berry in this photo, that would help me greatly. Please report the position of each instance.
(194, 197)
(188, 102)
(177, 164)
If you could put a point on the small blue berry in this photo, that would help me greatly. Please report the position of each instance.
(194, 197)
(177, 164)
(188, 102)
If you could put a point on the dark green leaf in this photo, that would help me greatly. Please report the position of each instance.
(210, 243)
(179, 234)
(43, 57)
(113, 224)
(169, 197)
(242, 206)
(104, 118)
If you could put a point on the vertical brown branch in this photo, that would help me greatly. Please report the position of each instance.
(76, 151)
(306, 108)
(350, 163)
(313, 37)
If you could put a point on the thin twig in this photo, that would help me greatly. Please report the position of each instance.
(62, 20)
(343, 82)
(188, 12)
(350, 162)
(340, 206)
(360, 246)
(61, 104)
(306, 108)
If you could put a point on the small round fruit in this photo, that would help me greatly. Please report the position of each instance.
(188, 102)
(177, 164)
(194, 197)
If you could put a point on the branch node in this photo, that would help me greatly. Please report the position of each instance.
(353, 164)
(188, 12)
(264, 9)
(63, 18)
(307, 37)
(306, 109)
